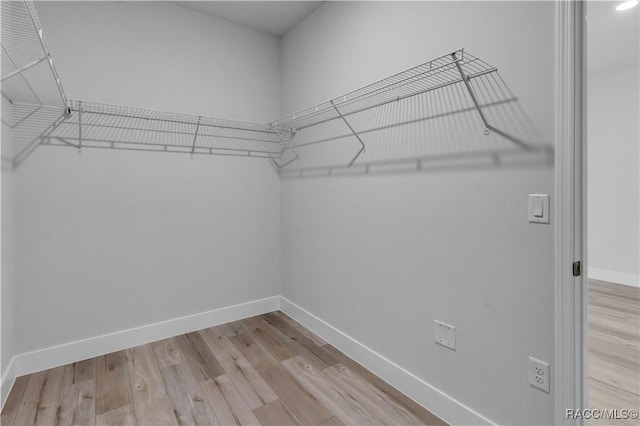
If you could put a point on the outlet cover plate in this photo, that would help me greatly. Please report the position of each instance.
(539, 376)
(445, 334)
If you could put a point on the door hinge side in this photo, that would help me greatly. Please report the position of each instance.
(577, 268)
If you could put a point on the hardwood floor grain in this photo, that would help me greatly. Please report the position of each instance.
(78, 404)
(265, 370)
(614, 349)
(189, 403)
(274, 413)
(236, 401)
(112, 383)
(150, 400)
(302, 405)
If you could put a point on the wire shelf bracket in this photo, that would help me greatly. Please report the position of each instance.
(362, 148)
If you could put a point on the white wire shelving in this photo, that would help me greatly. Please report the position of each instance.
(420, 113)
(437, 104)
(97, 125)
(26, 56)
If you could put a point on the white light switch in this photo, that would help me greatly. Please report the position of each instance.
(539, 208)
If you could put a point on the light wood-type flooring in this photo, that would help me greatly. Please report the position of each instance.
(263, 370)
(614, 349)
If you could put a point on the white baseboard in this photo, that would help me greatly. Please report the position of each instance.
(56, 356)
(8, 377)
(444, 406)
(614, 277)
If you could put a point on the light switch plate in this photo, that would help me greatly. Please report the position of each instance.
(445, 334)
(535, 201)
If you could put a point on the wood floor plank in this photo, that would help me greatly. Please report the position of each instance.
(149, 394)
(240, 363)
(281, 345)
(112, 385)
(122, 416)
(252, 387)
(167, 352)
(371, 398)
(14, 400)
(607, 396)
(203, 362)
(50, 396)
(78, 404)
(272, 340)
(189, 403)
(218, 403)
(302, 405)
(614, 348)
(274, 413)
(27, 411)
(232, 329)
(416, 409)
(84, 370)
(238, 373)
(236, 402)
(345, 408)
(333, 421)
(302, 329)
(309, 345)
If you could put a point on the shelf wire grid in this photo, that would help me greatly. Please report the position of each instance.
(423, 114)
(431, 75)
(29, 74)
(426, 111)
(100, 125)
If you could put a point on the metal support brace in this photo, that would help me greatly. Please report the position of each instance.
(286, 143)
(465, 79)
(193, 147)
(35, 21)
(80, 128)
(487, 127)
(4, 95)
(275, 165)
(23, 69)
(287, 163)
(352, 131)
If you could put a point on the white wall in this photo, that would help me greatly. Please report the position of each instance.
(381, 257)
(7, 254)
(110, 240)
(614, 175)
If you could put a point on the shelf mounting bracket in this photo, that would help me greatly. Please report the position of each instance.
(362, 148)
(80, 128)
(287, 143)
(195, 136)
(465, 79)
(487, 127)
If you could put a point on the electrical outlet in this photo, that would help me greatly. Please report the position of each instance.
(539, 374)
(445, 334)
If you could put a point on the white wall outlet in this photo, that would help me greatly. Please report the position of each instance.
(539, 374)
(445, 334)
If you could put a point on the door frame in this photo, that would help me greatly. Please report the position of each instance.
(570, 292)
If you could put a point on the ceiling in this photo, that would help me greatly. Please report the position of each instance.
(272, 17)
(613, 38)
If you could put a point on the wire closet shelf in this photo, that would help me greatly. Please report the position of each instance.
(360, 114)
(352, 120)
(97, 125)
